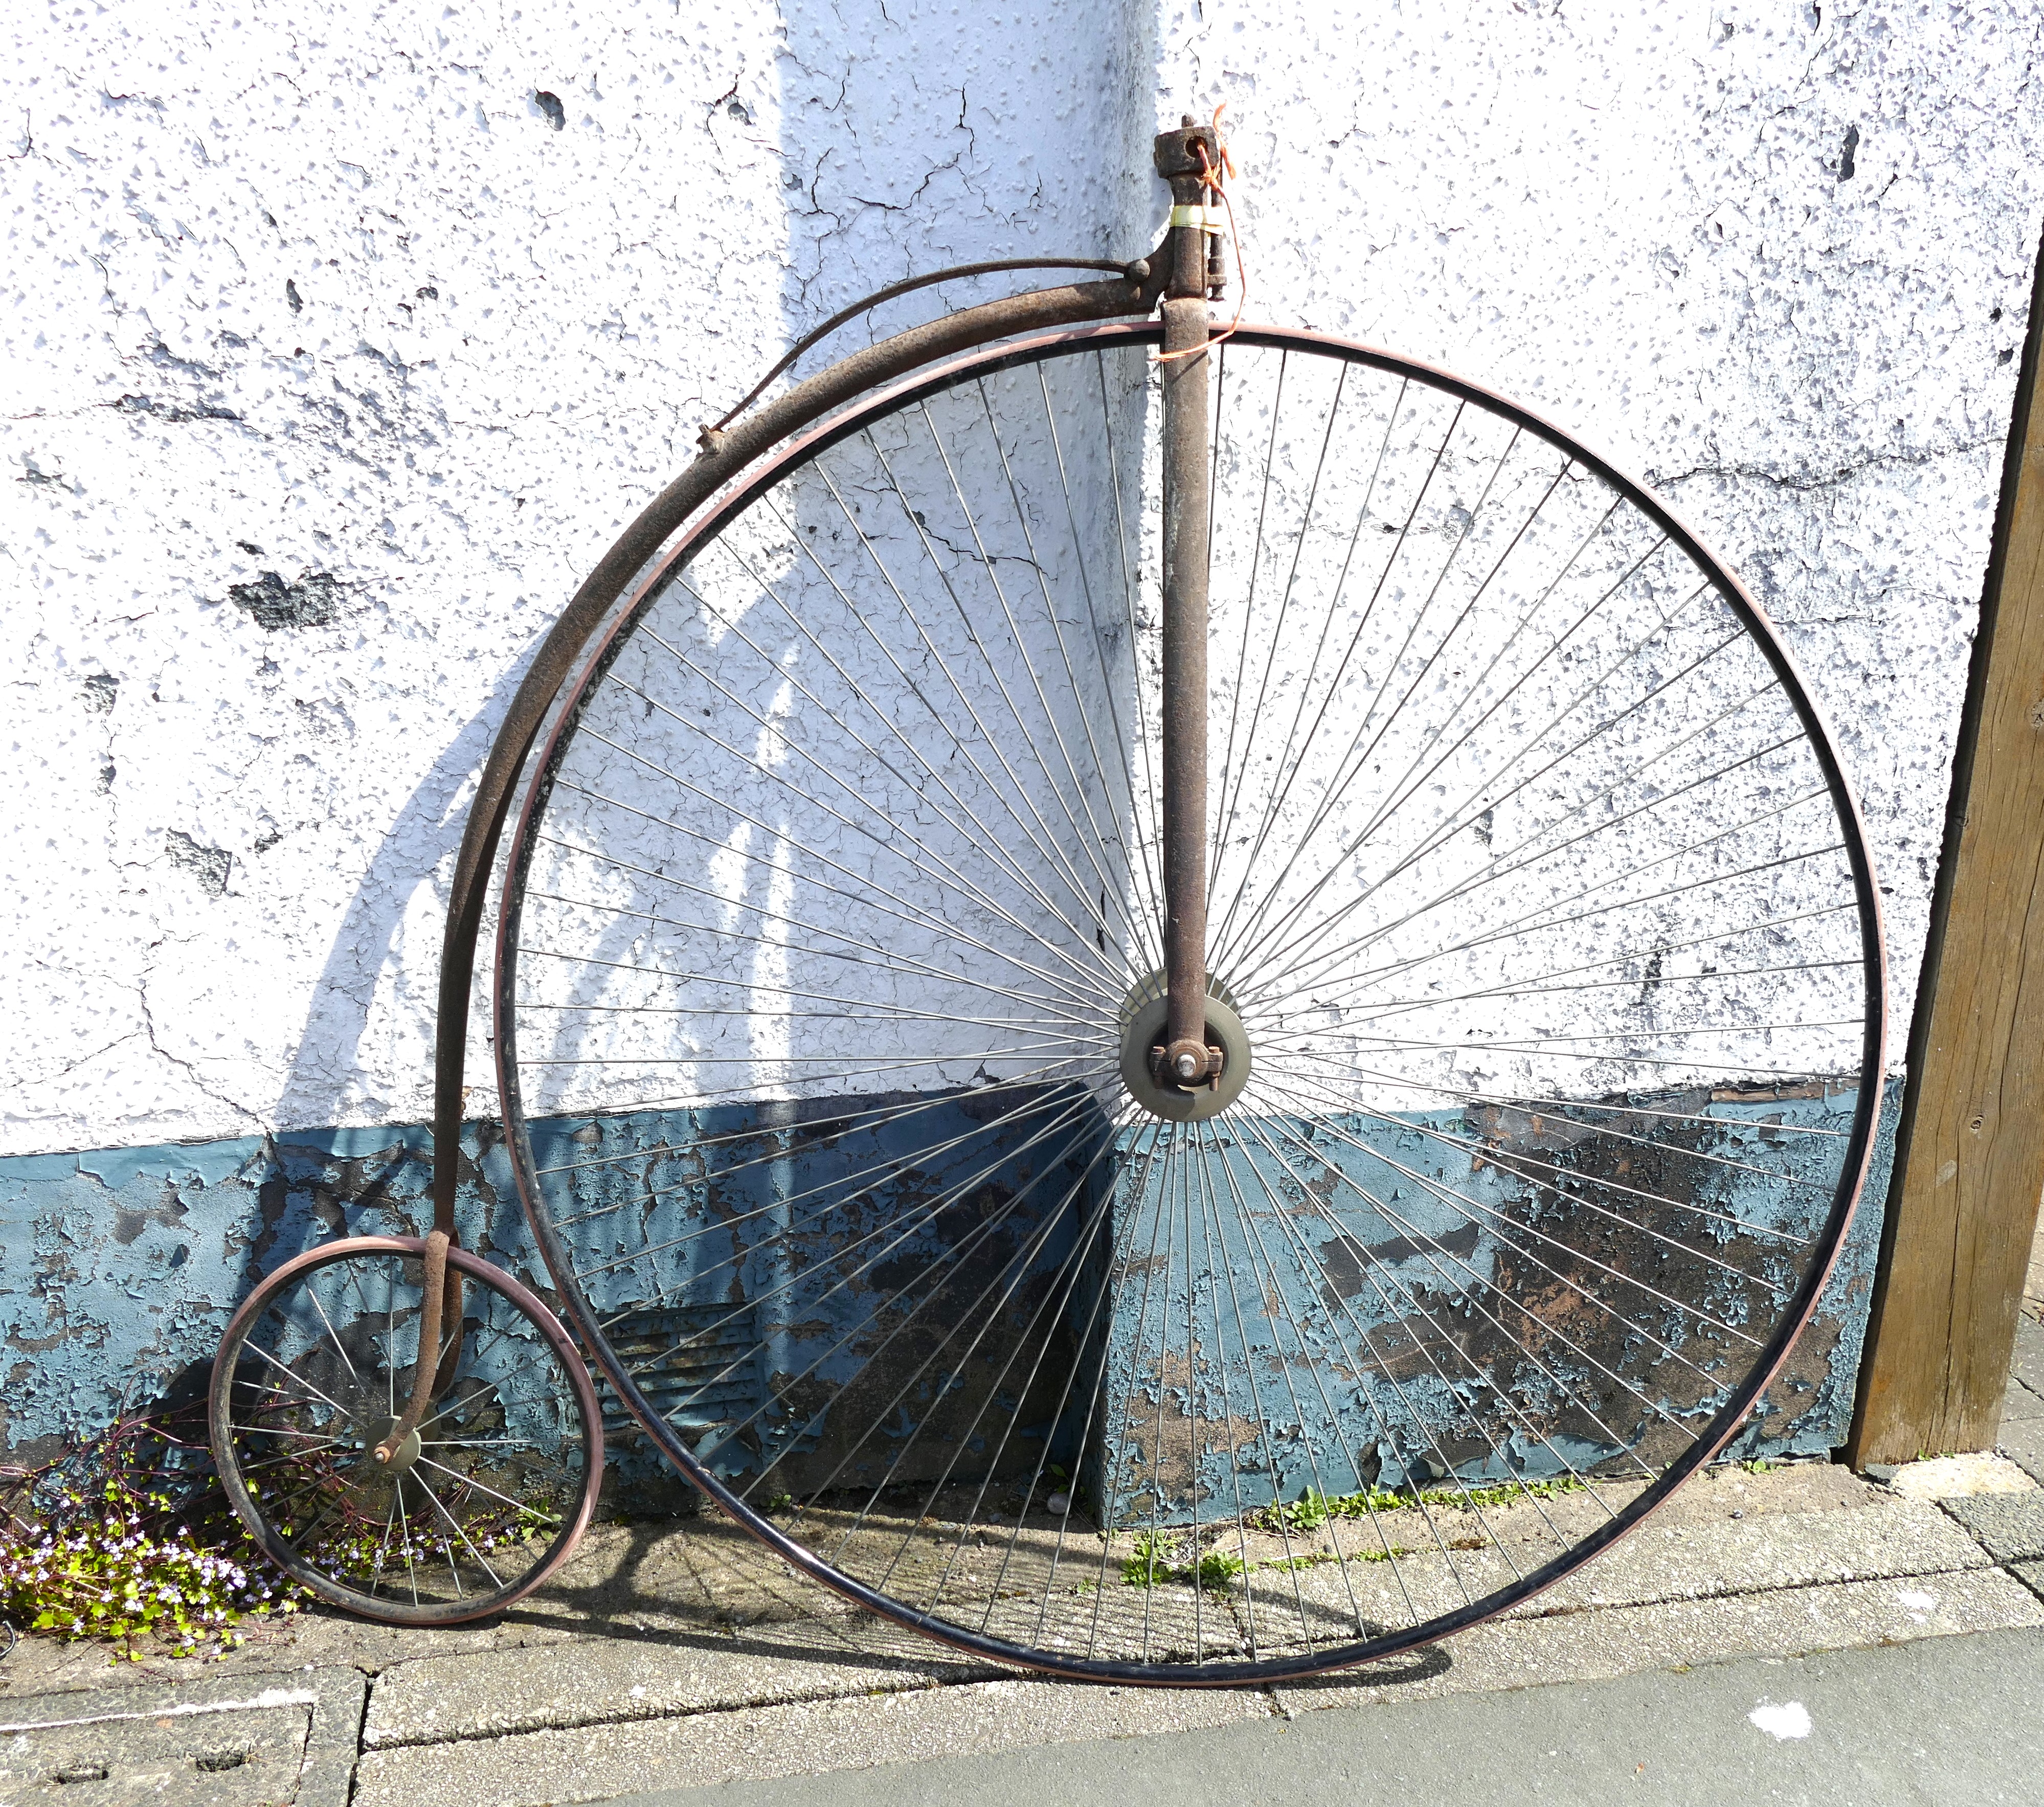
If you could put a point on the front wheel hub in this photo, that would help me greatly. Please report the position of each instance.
(1183, 1083)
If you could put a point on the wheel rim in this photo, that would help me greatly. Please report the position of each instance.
(1537, 886)
(480, 1503)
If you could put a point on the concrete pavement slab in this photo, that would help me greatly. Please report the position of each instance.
(596, 1582)
(1719, 1492)
(2020, 1403)
(1587, 1646)
(222, 1746)
(2023, 1443)
(2027, 1364)
(326, 1776)
(590, 1763)
(594, 1682)
(1667, 1558)
(1673, 1556)
(1948, 1721)
(1864, 1534)
(1955, 1477)
(699, 1578)
(2010, 1525)
(740, 1668)
(814, 1738)
(684, 1577)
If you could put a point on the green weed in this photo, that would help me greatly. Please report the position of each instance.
(1312, 1509)
(127, 1537)
(1151, 1566)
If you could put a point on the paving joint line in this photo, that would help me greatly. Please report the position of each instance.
(1848, 1579)
(492, 1735)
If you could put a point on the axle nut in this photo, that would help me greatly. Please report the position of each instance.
(1182, 1081)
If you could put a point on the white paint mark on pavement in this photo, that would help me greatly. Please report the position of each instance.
(1791, 1719)
(269, 1697)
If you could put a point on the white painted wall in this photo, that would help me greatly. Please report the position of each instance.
(326, 280)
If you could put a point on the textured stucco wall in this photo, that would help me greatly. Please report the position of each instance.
(1775, 259)
(334, 283)
(342, 339)
(327, 291)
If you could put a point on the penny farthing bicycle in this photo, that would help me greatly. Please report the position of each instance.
(1179, 1003)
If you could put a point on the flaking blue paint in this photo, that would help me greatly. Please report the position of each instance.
(1335, 1355)
(119, 1269)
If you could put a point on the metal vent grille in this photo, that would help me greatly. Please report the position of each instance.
(696, 1363)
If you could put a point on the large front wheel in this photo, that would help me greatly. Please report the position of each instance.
(1543, 971)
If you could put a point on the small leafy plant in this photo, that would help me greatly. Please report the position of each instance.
(127, 1536)
(1150, 1563)
(1312, 1509)
(1216, 1569)
(1151, 1566)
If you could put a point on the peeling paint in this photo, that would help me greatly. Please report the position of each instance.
(311, 601)
(211, 866)
(119, 1270)
(1332, 1361)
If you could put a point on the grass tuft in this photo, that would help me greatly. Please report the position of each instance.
(1312, 1509)
(1151, 1566)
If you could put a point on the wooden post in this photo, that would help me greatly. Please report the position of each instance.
(1969, 1152)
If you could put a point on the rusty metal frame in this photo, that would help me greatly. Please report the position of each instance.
(1183, 1062)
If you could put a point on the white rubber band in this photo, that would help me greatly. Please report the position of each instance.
(1205, 219)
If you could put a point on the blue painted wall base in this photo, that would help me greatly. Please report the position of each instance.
(118, 1271)
(1336, 1325)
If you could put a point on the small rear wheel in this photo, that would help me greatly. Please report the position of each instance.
(474, 1508)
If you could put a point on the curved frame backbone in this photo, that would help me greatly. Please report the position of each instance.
(726, 455)
(587, 633)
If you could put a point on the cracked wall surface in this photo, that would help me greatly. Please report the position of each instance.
(339, 354)
(343, 340)
(1773, 259)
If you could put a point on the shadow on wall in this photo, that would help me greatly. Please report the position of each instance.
(991, 167)
(419, 849)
